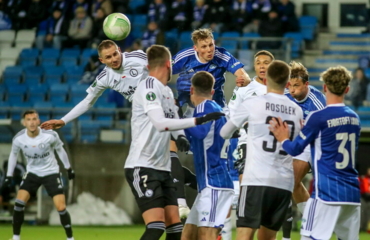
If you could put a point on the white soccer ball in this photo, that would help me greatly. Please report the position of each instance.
(117, 26)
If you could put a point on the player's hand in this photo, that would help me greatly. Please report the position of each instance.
(208, 117)
(182, 143)
(71, 174)
(53, 124)
(7, 182)
(242, 80)
(236, 134)
(279, 128)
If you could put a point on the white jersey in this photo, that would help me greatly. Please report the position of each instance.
(267, 164)
(124, 80)
(149, 147)
(38, 151)
(254, 88)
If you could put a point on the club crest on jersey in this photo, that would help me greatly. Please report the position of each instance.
(134, 72)
(212, 66)
(149, 193)
(150, 96)
(41, 146)
(94, 84)
(233, 97)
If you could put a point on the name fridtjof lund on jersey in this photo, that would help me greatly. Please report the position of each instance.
(36, 156)
(280, 108)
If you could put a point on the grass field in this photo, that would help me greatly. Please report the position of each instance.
(96, 233)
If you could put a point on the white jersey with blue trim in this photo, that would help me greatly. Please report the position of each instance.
(314, 100)
(38, 151)
(267, 164)
(125, 79)
(150, 148)
(208, 148)
(333, 133)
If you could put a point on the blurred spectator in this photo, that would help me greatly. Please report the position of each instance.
(136, 45)
(241, 15)
(216, 14)
(286, 11)
(91, 70)
(79, 32)
(272, 27)
(17, 12)
(98, 34)
(56, 28)
(198, 13)
(152, 35)
(5, 22)
(365, 200)
(81, 3)
(37, 12)
(158, 13)
(104, 4)
(261, 9)
(180, 14)
(64, 6)
(357, 88)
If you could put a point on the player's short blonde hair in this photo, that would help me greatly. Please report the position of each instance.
(158, 55)
(201, 34)
(336, 79)
(106, 44)
(297, 70)
(278, 74)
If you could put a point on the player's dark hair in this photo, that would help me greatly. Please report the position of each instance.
(297, 70)
(203, 82)
(278, 74)
(106, 44)
(336, 79)
(30, 111)
(201, 34)
(266, 53)
(157, 55)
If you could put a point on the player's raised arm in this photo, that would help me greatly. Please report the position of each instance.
(242, 78)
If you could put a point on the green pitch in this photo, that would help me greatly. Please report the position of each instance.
(97, 233)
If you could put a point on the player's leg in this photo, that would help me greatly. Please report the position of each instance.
(190, 178)
(319, 219)
(348, 224)
(54, 187)
(287, 225)
(227, 229)
(190, 231)
(266, 234)
(145, 184)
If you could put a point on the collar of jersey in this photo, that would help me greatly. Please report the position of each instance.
(37, 134)
(336, 105)
(305, 98)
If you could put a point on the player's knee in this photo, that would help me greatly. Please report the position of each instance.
(19, 205)
(60, 207)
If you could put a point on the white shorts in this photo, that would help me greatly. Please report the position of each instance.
(236, 194)
(320, 220)
(210, 208)
(305, 155)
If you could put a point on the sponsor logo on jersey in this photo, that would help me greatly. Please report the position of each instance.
(235, 64)
(150, 96)
(131, 90)
(212, 66)
(203, 219)
(134, 72)
(205, 213)
(254, 94)
(115, 82)
(41, 146)
(169, 114)
(149, 193)
(36, 156)
(306, 112)
(191, 70)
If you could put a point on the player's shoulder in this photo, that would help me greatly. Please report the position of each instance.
(184, 54)
(19, 134)
(208, 106)
(50, 132)
(137, 57)
(149, 83)
(222, 54)
(314, 92)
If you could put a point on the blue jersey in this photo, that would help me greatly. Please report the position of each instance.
(186, 63)
(232, 154)
(315, 100)
(333, 133)
(207, 145)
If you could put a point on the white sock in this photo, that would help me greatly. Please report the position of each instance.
(182, 201)
(16, 237)
(286, 239)
(227, 229)
(301, 206)
(70, 238)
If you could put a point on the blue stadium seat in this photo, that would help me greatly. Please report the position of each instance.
(13, 72)
(105, 114)
(16, 93)
(4, 113)
(37, 93)
(86, 54)
(308, 26)
(78, 90)
(297, 39)
(367, 72)
(58, 92)
(230, 34)
(33, 72)
(53, 80)
(55, 72)
(363, 108)
(89, 131)
(8, 81)
(62, 109)
(49, 55)
(18, 108)
(2, 92)
(29, 53)
(70, 55)
(6, 135)
(368, 93)
(44, 109)
(67, 131)
(245, 44)
(134, 5)
(74, 71)
(171, 41)
(27, 62)
(30, 81)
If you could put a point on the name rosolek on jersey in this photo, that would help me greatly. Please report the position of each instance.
(124, 80)
(38, 151)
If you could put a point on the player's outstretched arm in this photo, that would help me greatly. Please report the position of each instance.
(228, 130)
(53, 124)
(242, 78)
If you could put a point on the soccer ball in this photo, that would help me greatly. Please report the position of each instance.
(117, 26)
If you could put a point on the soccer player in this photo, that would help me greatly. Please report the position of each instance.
(332, 133)
(268, 177)
(38, 148)
(262, 60)
(309, 99)
(206, 56)
(122, 73)
(148, 164)
(215, 187)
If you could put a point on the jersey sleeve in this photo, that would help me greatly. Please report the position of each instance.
(150, 95)
(241, 115)
(99, 85)
(179, 60)
(235, 101)
(308, 134)
(229, 61)
(200, 131)
(57, 143)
